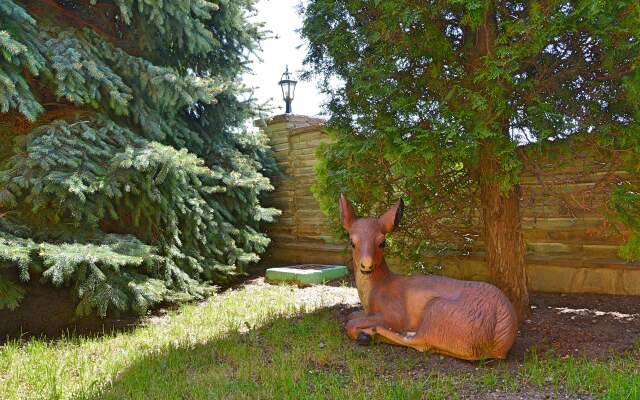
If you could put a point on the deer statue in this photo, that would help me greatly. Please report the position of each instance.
(462, 319)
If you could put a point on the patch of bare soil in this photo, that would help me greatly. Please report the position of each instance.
(580, 324)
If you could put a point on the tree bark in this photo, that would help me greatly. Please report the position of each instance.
(502, 228)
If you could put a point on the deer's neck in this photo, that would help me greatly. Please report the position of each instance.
(366, 283)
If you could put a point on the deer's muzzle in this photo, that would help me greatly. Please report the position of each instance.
(366, 265)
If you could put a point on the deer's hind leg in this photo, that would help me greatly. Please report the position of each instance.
(433, 333)
(447, 328)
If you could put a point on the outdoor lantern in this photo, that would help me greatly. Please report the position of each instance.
(288, 86)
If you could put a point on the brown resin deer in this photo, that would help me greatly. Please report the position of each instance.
(462, 319)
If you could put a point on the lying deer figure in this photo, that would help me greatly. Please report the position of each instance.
(462, 319)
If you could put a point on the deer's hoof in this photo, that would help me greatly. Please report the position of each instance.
(363, 339)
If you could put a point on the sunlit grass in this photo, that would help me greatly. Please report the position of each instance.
(254, 343)
(76, 366)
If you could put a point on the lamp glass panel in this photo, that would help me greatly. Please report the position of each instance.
(292, 89)
(287, 86)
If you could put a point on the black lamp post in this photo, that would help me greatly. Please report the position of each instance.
(288, 87)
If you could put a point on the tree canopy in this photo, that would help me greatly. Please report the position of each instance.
(433, 101)
(126, 171)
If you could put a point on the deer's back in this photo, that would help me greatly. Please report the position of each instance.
(420, 290)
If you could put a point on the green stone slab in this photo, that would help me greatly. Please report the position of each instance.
(306, 275)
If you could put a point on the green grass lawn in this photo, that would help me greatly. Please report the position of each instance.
(255, 343)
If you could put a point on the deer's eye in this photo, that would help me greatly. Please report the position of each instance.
(382, 244)
(352, 244)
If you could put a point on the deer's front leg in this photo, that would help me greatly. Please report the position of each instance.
(356, 315)
(363, 325)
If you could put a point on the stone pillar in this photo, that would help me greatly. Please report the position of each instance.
(300, 234)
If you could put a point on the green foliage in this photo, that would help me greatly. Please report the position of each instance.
(421, 94)
(14, 90)
(135, 182)
(626, 205)
(18, 251)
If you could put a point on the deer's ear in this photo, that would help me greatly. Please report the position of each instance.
(347, 216)
(391, 219)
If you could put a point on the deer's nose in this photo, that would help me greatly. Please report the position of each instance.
(366, 264)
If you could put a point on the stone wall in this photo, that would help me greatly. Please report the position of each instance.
(567, 248)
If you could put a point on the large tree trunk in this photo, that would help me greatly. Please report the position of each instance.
(505, 250)
(502, 227)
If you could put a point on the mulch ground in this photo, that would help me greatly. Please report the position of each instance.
(580, 324)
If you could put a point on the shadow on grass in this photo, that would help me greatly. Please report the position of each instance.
(307, 356)
(210, 351)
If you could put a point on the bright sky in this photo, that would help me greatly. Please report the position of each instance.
(282, 19)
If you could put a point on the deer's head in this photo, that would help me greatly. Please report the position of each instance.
(367, 235)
